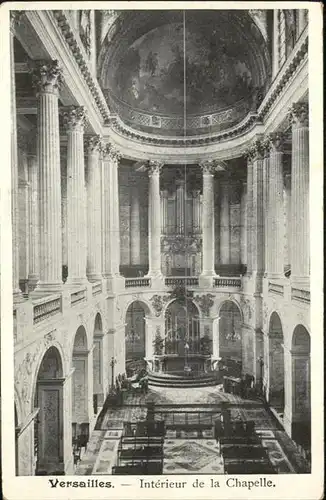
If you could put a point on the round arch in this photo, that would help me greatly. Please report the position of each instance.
(182, 327)
(98, 375)
(301, 387)
(274, 359)
(135, 332)
(230, 333)
(48, 427)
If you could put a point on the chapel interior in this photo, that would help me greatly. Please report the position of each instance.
(161, 255)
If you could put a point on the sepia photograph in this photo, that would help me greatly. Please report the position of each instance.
(160, 208)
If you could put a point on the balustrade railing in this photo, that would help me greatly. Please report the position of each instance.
(300, 295)
(276, 288)
(47, 308)
(77, 297)
(96, 288)
(137, 282)
(227, 282)
(184, 280)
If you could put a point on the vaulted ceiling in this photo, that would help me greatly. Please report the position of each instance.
(175, 72)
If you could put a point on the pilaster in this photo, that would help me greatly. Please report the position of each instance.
(154, 227)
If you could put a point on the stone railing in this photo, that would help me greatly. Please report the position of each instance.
(96, 288)
(47, 307)
(276, 288)
(77, 297)
(227, 282)
(300, 295)
(186, 281)
(137, 282)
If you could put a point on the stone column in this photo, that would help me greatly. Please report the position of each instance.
(300, 258)
(243, 228)
(257, 234)
(275, 206)
(33, 273)
(287, 219)
(134, 226)
(94, 229)
(105, 205)
(17, 295)
(47, 79)
(74, 120)
(115, 210)
(249, 213)
(208, 258)
(267, 213)
(225, 224)
(154, 216)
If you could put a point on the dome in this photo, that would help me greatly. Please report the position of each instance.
(171, 71)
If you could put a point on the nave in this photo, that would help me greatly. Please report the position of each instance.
(193, 442)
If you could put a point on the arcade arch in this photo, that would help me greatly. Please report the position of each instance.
(275, 364)
(48, 426)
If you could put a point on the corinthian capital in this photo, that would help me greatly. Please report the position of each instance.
(110, 151)
(256, 150)
(154, 167)
(209, 167)
(74, 118)
(47, 76)
(299, 115)
(276, 140)
(93, 144)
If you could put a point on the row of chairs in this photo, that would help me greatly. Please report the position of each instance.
(144, 428)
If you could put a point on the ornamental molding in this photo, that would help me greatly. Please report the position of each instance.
(74, 118)
(180, 244)
(46, 76)
(158, 302)
(80, 56)
(205, 302)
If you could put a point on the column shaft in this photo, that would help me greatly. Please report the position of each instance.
(14, 18)
(105, 205)
(243, 228)
(94, 229)
(275, 207)
(33, 274)
(300, 191)
(225, 225)
(134, 227)
(74, 118)
(47, 76)
(257, 235)
(249, 214)
(154, 215)
(287, 219)
(208, 221)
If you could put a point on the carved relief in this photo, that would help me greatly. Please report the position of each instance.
(93, 144)
(205, 302)
(299, 114)
(276, 140)
(180, 244)
(158, 302)
(247, 309)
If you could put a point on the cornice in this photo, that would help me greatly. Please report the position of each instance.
(80, 56)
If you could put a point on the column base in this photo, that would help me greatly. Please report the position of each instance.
(33, 279)
(73, 282)
(206, 280)
(43, 288)
(17, 296)
(94, 277)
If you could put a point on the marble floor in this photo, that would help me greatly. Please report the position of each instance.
(188, 452)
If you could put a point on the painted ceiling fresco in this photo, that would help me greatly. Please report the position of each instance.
(165, 71)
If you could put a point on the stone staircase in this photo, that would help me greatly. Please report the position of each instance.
(181, 380)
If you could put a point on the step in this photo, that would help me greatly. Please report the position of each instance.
(181, 381)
